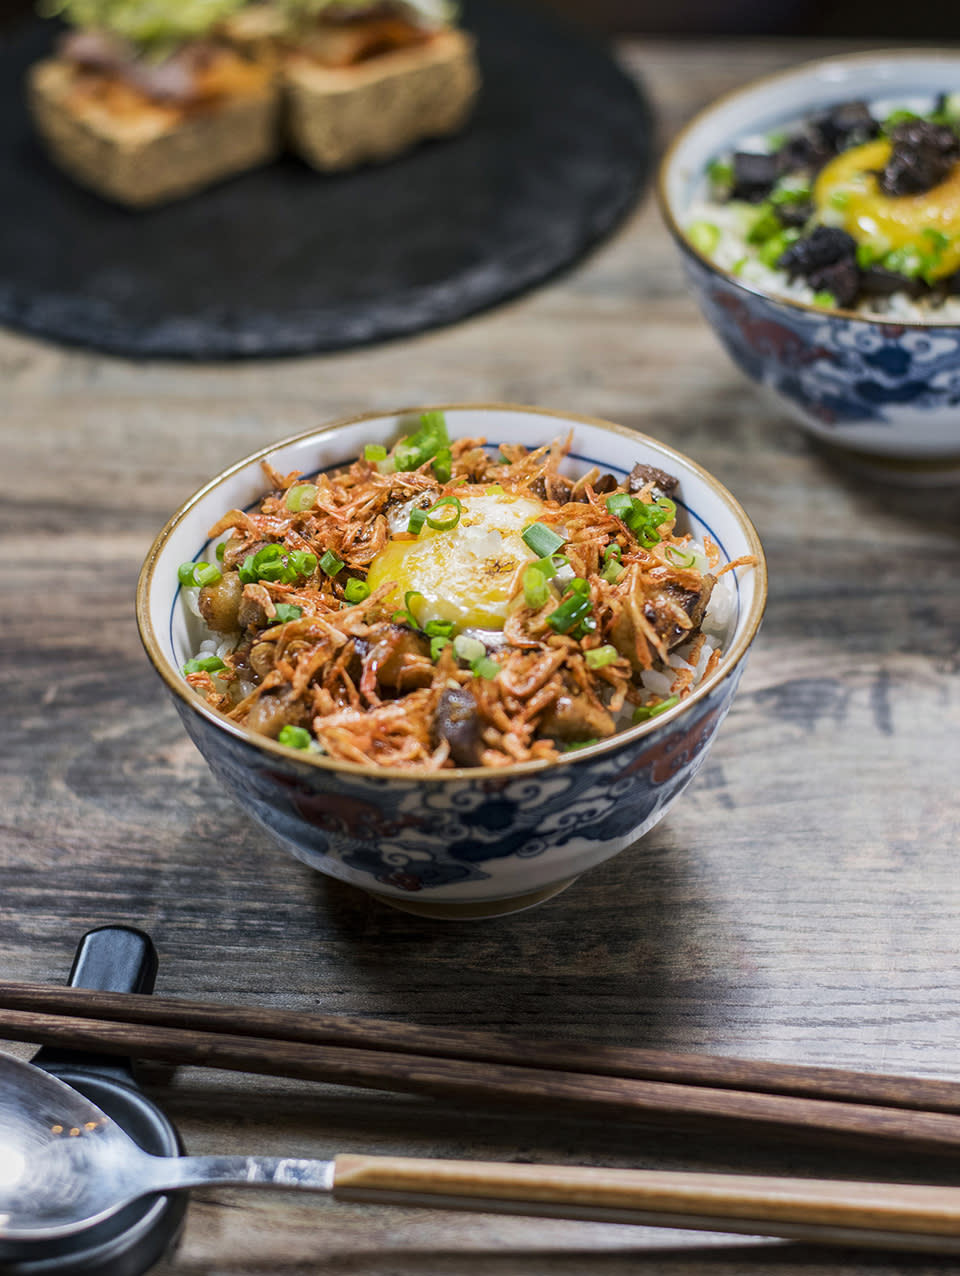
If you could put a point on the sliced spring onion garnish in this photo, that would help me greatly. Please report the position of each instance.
(578, 744)
(542, 540)
(679, 557)
(574, 609)
(406, 615)
(294, 737)
(285, 612)
(469, 650)
(418, 448)
(613, 550)
(374, 452)
(612, 572)
(204, 664)
(446, 521)
(302, 561)
(301, 497)
(485, 668)
(619, 504)
(330, 563)
(437, 644)
(600, 656)
(642, 518)
(644, 712)
(439, 628)
(536, 589)
(579, 585)
(416, 521)
(193, 574)
(443, 465)
(221, 550)
(355, 591)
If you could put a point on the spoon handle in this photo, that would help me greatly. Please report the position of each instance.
(889, 1215)
(161, 1174)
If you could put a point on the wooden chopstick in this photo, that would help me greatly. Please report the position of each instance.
(596, 1059)
(468, 1079)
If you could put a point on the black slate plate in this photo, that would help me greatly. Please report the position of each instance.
(286, 261)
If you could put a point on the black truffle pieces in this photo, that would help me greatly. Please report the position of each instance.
(921, 157)
(827, 259)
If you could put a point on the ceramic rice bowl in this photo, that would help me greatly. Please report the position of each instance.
(471, 842)
(885, 390)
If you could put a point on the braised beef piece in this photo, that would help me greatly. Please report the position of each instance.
(573, 716)
(692, 601)
(642, 474)
(922, 155)
(826, 245)
(275, 709)
(848, 124)
(807, 151)
(604, 484)
(457, 720)
(877, 282)
(840, 278)
(753, 175)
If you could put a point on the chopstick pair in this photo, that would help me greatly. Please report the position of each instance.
(575, 1078)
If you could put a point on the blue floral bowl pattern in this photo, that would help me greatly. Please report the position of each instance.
(471, 842)
(885, 390)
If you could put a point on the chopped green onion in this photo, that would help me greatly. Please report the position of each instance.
(613, 550)
(220, 551)
(542, 540)
(586, 626)
(416, 521)
(437, 645)
(771, 252)
(791, 190)
(570, 613)
(764, 225)
(536, 590)
(579, 585)
(597, 657)
(418, 448)
(469, 650)
(301, 497)
(374, 452)
(645, 711)
(302, 561)
(439, 628)
(485, 668)
(438, 522)
(578, 744)
(900, 116)
(738, 265)
(356, 591)
(285, 612)
(294, 737)
(443, 465)
(193, 574)
(905, 261)
(405, 614)
(619, 504)
(679, 557)
(204, 664)
(720, 172)
(612, 572)
(825, 299)
(667, 506)
(704, 236)
(330, 563)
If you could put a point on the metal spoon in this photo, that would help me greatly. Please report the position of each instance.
(65, 1165)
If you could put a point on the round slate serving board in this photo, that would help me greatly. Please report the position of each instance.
(286, 261)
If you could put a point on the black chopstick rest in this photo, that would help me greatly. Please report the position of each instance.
(110, 959)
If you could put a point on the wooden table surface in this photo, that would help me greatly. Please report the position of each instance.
(801, 901)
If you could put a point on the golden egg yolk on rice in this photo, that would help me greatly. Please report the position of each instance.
(847, 186)
(466, 574)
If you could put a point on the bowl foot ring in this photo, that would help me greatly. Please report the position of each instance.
(453, 911)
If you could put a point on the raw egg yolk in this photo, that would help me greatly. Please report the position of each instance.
(464, 574)
(847, 187)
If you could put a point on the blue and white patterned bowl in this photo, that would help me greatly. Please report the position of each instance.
(470, 842)
(887, 392)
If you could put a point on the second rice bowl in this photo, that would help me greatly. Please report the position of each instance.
(470, 841)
